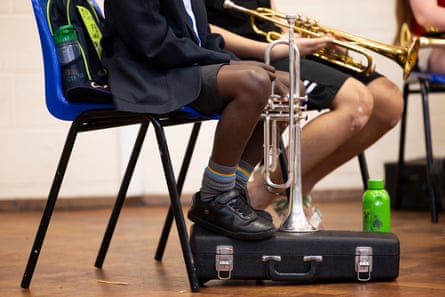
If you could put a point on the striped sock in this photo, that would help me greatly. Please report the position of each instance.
(243, 172)
(217, 179)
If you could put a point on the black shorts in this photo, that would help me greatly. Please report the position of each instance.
(209, 101)
(323, 81)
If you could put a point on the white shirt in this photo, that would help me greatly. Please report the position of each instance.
(188, 9)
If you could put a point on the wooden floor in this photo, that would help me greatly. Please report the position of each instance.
(65, 267)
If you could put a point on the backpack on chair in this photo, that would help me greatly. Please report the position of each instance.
(88, 23)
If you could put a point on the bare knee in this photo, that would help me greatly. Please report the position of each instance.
(394, 109)
(254, 88)
(363, 110)
(356, 102)
(388, 102)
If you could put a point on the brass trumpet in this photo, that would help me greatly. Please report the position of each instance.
(404, 56)
(407, 37)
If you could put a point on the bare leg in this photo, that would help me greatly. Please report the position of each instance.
(247, 89)
(388, 106)
(221, 208)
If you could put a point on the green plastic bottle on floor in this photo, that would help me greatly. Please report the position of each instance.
(376, 207)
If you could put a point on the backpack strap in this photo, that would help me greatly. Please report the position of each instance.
(48, 16)
(92, 28)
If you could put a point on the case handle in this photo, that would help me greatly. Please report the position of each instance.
(309, 276)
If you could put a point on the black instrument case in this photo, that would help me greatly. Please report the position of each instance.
(320, 256)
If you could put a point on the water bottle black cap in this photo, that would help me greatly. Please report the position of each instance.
(65, 33)
(376, 184)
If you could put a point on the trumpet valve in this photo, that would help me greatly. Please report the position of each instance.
(316, 26)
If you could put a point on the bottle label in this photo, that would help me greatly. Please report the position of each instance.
(372, 221)
(376, 211)
(68, 53)
(73, 74)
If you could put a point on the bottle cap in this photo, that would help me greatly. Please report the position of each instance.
(374, 184)
(64, 34)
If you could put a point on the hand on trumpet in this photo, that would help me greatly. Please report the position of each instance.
(269, 68)
(306, 46)
(335, 49)
(280, 78)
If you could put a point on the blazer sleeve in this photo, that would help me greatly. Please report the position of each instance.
(157, 32)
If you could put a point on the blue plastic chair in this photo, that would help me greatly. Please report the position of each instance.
(86, 117)
(423, 84)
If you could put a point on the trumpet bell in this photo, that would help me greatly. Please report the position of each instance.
(431, 39)
(295, 221)
(411, 58)
(296, 224)
(410, 48)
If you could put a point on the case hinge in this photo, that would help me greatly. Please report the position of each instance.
(363, 262)
(224, 261)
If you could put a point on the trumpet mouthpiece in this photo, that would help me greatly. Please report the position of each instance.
(228, 4)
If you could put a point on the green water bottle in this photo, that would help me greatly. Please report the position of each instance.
(70, 57)
(376, 207)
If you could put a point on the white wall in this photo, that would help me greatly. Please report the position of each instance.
(31, 140)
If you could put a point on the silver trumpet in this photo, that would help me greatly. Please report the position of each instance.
(289, 110)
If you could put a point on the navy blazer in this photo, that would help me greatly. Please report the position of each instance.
(152, 54)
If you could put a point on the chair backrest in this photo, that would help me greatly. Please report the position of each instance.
(56, 102)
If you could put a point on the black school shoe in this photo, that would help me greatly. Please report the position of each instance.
(261, 213)
(229, 214)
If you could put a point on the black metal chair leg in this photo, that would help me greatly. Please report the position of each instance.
(424, 92)
(363, 169)
(176, 205)
(401, 157)
(50, 204)
(121, 195)
(429, 151)
(180, 183)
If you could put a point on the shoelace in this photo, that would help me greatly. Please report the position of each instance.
(241, 206)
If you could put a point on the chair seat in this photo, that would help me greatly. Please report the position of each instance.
(434, 80)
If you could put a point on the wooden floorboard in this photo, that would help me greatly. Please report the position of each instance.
(66, 264)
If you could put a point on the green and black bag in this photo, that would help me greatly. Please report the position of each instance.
(88, 22)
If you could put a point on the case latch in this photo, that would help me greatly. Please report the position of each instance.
(224, 261)
(363, 263)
